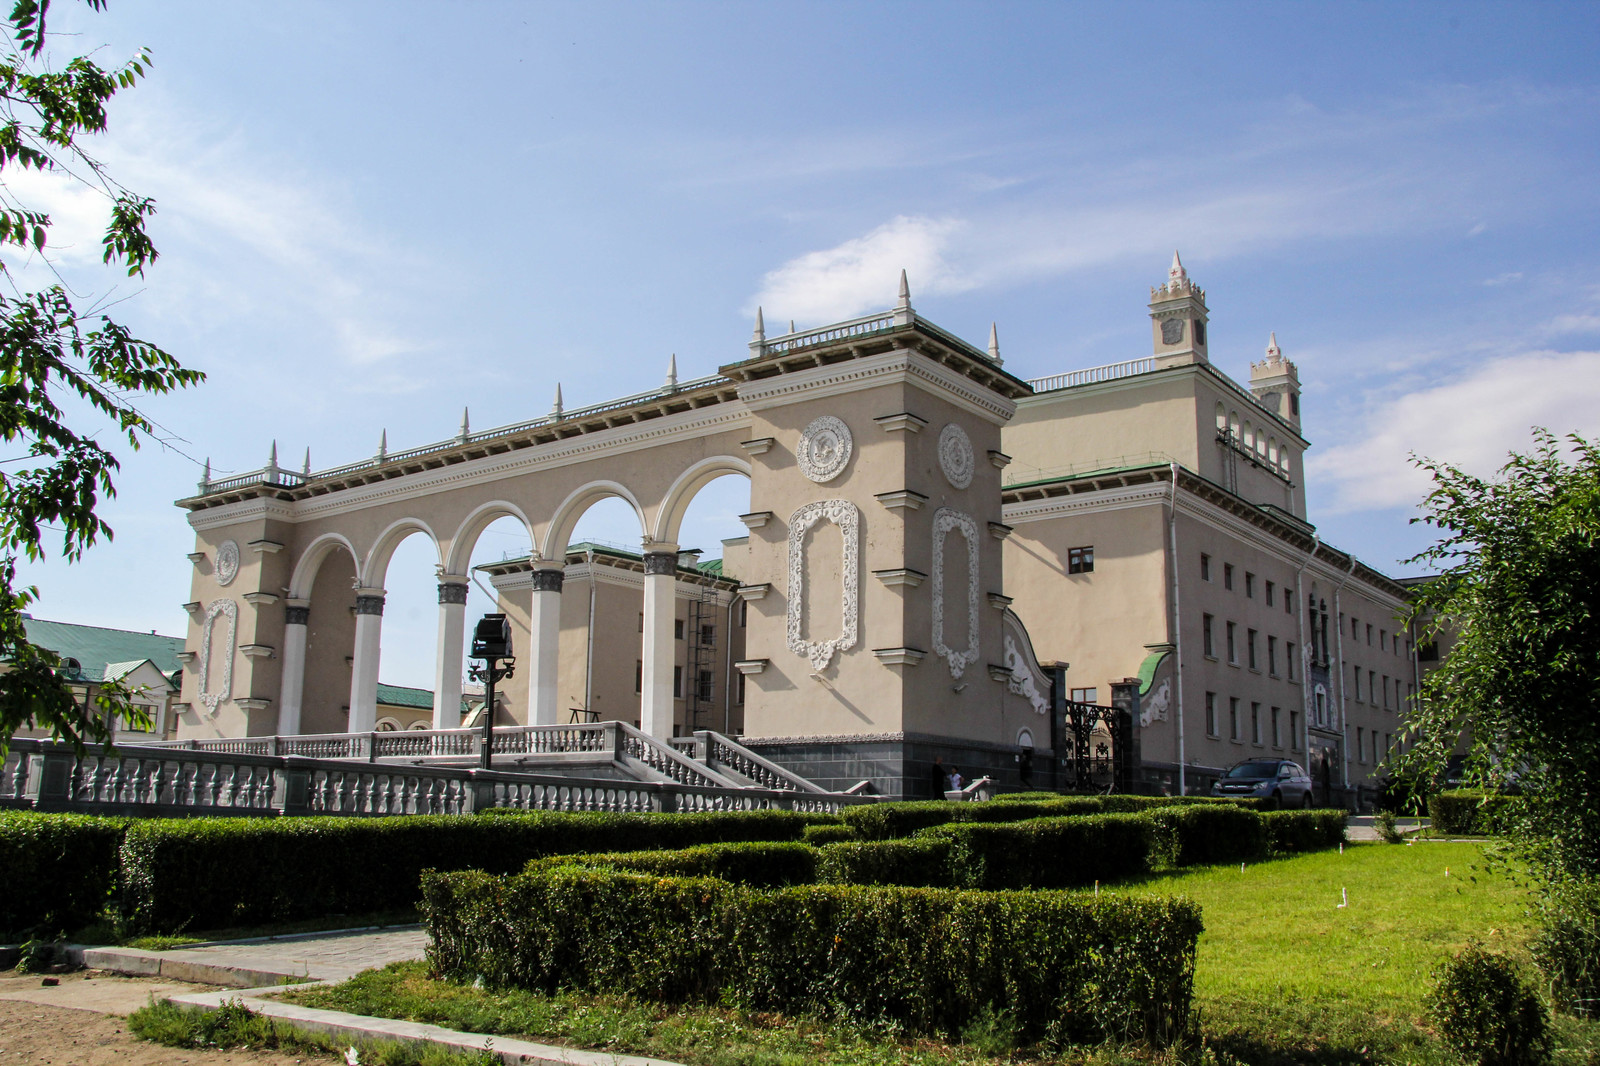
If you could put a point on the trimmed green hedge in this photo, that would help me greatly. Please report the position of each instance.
(888, 821)
(1290, 832)
(1471, 811)
(1198, 834)
(1066, 967)
(1046, 852)
(212, 873)
(761, 865)
(828, 834)
(57, 871)
(912, 863)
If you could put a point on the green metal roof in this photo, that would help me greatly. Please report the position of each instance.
(95, 647)
(712, 567)
(405, 696)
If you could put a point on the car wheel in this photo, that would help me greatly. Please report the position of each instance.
(1275, 802)
(1306, 804)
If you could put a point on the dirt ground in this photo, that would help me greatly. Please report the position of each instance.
(80, 1022)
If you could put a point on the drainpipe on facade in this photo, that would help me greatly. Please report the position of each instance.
(1344, 721)
(588, 663)
(1177, 628)
(1305, 655)
(727, 654)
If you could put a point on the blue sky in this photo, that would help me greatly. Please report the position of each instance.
(372, 215)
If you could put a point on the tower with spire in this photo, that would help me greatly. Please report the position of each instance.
(1178, 319)
(1275, 383)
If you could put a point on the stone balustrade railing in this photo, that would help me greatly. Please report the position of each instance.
(150, 780)
(716, 750)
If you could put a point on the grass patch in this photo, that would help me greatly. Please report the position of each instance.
(161, 943)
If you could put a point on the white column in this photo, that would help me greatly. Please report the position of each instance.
(297, 615)
(544, 645)
(364, 669)
(660, 607)
(447, 660)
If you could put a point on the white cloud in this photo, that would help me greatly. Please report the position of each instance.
(1472, 422)
(863, 273)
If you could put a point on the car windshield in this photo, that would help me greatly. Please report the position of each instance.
(1254, 769)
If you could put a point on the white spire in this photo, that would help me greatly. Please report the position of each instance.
(672, 372)
(466, 426)
(904, 303)
(760, 334)
(205, 479)
(994, 345)
(791, 325)
(1273, 351)
(272, 458)
(556, 411)
(1177, 273)
(306, 470)
(383, 445)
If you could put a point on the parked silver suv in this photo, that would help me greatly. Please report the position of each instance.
(1280, 782)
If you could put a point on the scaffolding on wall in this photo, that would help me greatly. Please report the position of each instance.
(702, 667)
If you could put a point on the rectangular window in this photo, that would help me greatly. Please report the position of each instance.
(1361, 745)
(641, 621)
(1211, 714)
(1372, 685)
(1428, 652)
(1289, 658)
(1294, 730)
(677, 629)
(1205, 636)
(638, 676)
(1233, 649)
(740, 698)
(1383, 640)
(1233, 718)
(1249, 585)
(1354, 626)
(1277, 732)
(677, 682)
(1369, 636)
(703, 689)
(1250, 648)
(1387, 741)
(1227, 576)
(1288, 604)
(744, 613)
(1205, 567)
(1270, 587)
(1386, 692)
(1272, 656)
(1355, 690)
(1085, 695)
(1255, 723)
(1080, 560)
(708, 635)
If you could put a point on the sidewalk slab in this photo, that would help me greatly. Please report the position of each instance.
(265, 961)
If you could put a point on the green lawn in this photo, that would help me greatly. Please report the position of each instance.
(1285, 976)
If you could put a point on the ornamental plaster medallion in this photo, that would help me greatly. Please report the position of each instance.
(1022, 682)
(847, 517)
(944, 520)
(229, 610)
(227, 562)
(955, 455)
(1155, 708)
(824, 448)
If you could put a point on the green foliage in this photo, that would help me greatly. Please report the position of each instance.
(1067, 968)
(1384, 824)
(58, 871)
(1292, 832)
(1487, 1012)
(886, 821)
(1520, 555)
(1567, 945)
(763, 865)
(1472, 811)
(914, 863)
(50, 350)
(209, 873)
(828, 834)
(1200, 834)
(1046, 852)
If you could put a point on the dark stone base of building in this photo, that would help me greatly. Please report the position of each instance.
(900, 765)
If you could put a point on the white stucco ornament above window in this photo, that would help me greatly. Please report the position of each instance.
(227, 562)
(955, 455)
(824, 448)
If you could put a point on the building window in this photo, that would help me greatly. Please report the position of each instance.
(1255, 723)
(1288, 604)
(703, 688)
(744, 613)
(1355, 691)
(1383, 640)
(708, 634)
(1361, 745)
(1250, 648)
(1233, 648)
(1205, 567)
(638, 676)
(1369, 636)
(1372, 686)
(677, 682)
(1211, 714)
(1205, 636)
(1386, 692)
(1085, 695)
(641, 621)
(1270, 588)
(1080, 560)
(1294, 730)
(1233, 718)
(1249, 585)
(740, 699)
(1227, 576)
(1277, 735)
(1428, 652)
(1289, 658)
(1355, 625)
(1272, 656)
(677, 629)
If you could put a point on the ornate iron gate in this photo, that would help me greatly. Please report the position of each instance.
(1093, 743)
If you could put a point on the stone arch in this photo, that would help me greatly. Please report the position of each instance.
(1272, 450)
(472, 527)
(376, 566)
(1222, 418)
(565, 519)
(1249, 436)
(1233, 424)
(311, 560)
(669, 520)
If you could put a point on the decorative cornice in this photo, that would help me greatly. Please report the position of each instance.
(187, 658)
(751, 666)
(901, 498)
(269, 547)
(897, 366)
(755, 592)
(999, 459)
(904, 422)
(759, 446)
(756, 519)
(999, 530)
(260, 599)
(899, 656)
(900, 576)
(999, 601)
(197, 557)
(257, 651)
(194, 608)
(252, 703)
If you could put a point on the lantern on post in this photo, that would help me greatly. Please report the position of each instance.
(491, 643)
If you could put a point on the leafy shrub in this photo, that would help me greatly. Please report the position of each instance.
(757, 864)
(913, 863)
(1384, 823)
(1292, 832)
(886, 821)
(1470, 810)
(1066, 967)
(1196, 834)
(1487, 1012)
(58, 870)
(211, 873)
(1046, 852)
(828, 834)
(1567, 946)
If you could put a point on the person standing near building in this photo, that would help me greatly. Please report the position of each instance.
(939, 779)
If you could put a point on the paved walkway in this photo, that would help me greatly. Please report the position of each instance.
(1359, 827)
(335, 956)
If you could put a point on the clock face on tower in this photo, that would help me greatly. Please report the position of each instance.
(1172, 331)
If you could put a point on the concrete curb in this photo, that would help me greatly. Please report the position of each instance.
(360, 1027)
(171, 965)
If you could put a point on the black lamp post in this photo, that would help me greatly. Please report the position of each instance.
(491, 642)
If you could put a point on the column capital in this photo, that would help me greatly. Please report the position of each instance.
(660, 562)
(297, 616)
(548, 579)
(452, 591)
(369, 601)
